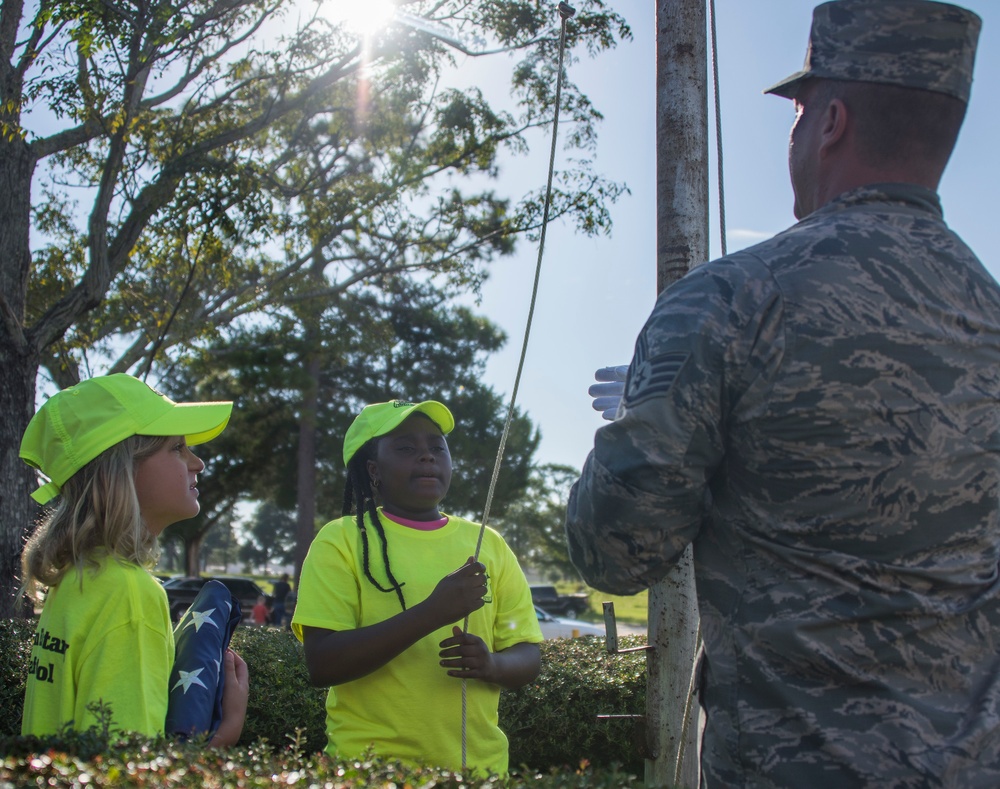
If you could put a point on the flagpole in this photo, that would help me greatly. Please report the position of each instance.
(682, 242)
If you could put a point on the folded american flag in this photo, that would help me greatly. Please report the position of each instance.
(196, 681)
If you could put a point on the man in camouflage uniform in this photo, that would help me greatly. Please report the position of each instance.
(818, 415)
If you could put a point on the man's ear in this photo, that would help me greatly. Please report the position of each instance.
(834, 125)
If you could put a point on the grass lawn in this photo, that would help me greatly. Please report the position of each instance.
(630, 609)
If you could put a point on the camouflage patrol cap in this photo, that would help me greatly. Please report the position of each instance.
(911, 43)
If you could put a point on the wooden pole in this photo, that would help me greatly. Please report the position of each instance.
(682, 241)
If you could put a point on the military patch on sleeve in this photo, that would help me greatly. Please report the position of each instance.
(651, 377)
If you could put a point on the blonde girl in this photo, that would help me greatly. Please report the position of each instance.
(118, 456)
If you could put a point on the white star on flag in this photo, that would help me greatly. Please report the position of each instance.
(189, 678)
(198, 618)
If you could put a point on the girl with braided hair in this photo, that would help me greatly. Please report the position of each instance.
(385, 591)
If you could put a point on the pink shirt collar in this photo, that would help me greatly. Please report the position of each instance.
(419, 525)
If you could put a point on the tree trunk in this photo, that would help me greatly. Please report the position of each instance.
(305, 528)
(192, 554)
(17, 513)
(18, 368)
(306, 495)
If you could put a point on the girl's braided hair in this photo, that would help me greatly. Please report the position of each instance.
(359, 497)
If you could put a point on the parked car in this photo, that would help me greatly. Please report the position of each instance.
(182, 591)
(570, 605)
(556, 627)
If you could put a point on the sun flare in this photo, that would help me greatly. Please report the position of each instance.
(362, 17)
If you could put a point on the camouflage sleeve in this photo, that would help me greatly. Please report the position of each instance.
(642, 495)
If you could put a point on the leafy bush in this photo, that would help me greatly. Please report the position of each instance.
(96, 758)
(15, 652)
(158, 764)
(552, 723)
(281, 698)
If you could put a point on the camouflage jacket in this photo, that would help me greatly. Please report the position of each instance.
(819, 416)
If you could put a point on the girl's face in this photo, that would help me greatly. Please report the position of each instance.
(412, 469)
(165, 484)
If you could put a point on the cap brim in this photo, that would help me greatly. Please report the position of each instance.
(438, 413)
(197, 422)
(46, 493)
(789, 86)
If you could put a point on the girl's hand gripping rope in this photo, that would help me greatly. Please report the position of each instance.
(460, 593)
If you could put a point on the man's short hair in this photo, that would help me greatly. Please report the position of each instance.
(896, 124)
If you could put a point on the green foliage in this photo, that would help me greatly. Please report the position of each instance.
(533, 524)
(283, 706)
(199, 167)
(270, 537)
(408, 342)
(357, 167)
(261, 767)
(552, 723)
(15, 651)
(91, 745)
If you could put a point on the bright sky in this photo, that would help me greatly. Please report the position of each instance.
(595, 294)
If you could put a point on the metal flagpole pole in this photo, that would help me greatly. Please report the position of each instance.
(682, 241)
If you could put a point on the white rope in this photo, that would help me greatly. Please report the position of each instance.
(689, 706)
(565, 12)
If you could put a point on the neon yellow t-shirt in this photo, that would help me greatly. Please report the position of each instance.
(108, 639)
(410, 709)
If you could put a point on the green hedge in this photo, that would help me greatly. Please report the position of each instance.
(553, 721)
(167, 764)
(281, 698)
(552, 724)
(15, 653)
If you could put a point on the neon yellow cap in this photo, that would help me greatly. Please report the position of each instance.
(76, 425)
(378, 419)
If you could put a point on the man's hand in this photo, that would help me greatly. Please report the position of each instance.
(608, 394)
